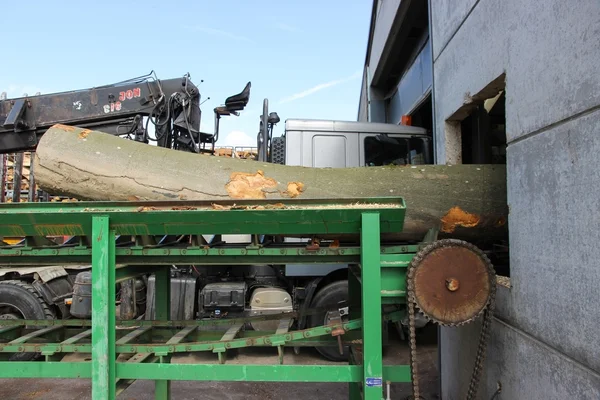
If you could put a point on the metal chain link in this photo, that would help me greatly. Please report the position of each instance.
(414, 375)
(483, 337)
(482, 346)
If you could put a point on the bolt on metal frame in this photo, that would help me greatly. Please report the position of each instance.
(377, 281)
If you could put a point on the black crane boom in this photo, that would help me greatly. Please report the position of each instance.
(172, 106)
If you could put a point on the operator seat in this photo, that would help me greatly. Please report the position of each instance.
(238, 101)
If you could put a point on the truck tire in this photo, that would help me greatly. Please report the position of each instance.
(329, 295)
(19, 300)
(278, 148)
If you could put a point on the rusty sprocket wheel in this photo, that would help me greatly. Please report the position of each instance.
(452, 281)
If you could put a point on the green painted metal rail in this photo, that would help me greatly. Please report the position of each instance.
(379, 279)
(195, 218)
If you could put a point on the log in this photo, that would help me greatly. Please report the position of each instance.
(463, 201)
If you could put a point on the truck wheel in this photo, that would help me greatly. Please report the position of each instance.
(19, 300)
(329, 296)
(278, 148)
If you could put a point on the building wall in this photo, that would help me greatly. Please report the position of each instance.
(384, 19)
(412, 88)
(388, 104)
(545, 342)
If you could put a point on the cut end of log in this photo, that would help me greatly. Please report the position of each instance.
(458, 217)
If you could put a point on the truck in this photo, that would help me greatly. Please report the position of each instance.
(171, 107)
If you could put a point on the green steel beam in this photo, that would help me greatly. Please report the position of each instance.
(162, 301)
(204, 372)
(103, 310)
(371, 315)
(184, 217)
(162, 348)
(354, 309)
(193, 255)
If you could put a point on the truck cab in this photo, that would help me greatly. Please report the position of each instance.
(345, 144)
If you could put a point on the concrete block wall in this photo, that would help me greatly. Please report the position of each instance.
(546, 337)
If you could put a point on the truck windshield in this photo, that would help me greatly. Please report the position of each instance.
(386, 150)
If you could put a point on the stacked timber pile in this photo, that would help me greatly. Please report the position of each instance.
(250, 153)
(11, 177)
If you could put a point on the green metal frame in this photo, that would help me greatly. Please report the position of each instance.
(377, 282)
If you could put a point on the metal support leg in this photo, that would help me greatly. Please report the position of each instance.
(17, 177)
(371, 307)
(103, 310)
(162, 305)
(354, 296)
(31, 192)
(3, 170)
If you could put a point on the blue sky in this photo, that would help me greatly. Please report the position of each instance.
(306, 57)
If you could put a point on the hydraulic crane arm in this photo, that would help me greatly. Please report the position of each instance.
(173, 106)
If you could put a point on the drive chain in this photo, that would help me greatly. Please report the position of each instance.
(483, 336)
(412, 331)
(482, 346)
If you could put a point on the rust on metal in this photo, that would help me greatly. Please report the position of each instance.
(456, 216)
(337, 331)
(452, 284)
(314, 245)
(437, 289)
(244, 185)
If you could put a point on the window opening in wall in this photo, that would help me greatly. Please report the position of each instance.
(483, 133)
(422, 116)
(476, 134)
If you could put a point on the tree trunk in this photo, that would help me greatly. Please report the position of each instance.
(464, 201)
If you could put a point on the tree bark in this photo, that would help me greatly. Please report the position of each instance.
(463, 201)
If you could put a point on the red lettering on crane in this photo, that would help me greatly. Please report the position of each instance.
(130, 94)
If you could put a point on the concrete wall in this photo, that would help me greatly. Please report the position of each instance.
(546, 341)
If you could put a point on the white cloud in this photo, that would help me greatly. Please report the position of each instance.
(320, 87)
(237, 138)
(286, 27)
(218, 32)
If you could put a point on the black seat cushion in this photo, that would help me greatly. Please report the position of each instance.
(239, 101)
